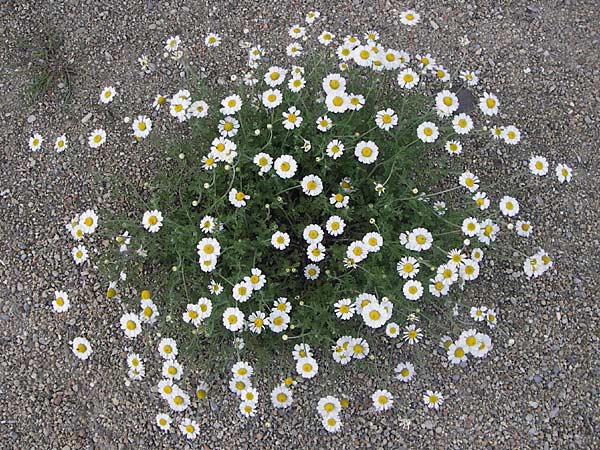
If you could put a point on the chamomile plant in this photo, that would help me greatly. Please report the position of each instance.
(326, 200)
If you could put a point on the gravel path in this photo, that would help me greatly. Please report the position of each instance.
(538, 393)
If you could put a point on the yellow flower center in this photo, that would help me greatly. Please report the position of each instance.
(130, 325)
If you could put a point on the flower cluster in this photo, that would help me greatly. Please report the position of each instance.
(313, 209)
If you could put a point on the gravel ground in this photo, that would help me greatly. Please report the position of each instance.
(538, 393)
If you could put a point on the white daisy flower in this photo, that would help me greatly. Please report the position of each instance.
(81, 348)
(152, 220)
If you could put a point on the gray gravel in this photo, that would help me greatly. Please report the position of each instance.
(540, 393)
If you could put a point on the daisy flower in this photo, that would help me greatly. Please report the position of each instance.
(433, 399)
(488, 104)
(470, 226)
(141, 127)
(419, 240)
(35, 142)
(382, 400)
(163, 421)
(410, 18)
(469, 180)
(178, 400)
(404, 372)
(408, 267)
(212, 40)
(564, 173)
(357, 251)
(172, 44)
(238, 198)
(61, 302)
(413, 290)
(324, 123)
(81, 348)
(356, 102)
(441, 73)
(538, 165)
(469, 270)
(334, 83)
(233, 319)
(292, 118)
(386, 119)
(264, 162)
(131, 325)
(524, 228)
(272, 98)
(159, 100)
(229, 126)
(152, 220)
(311, 185)
(457, 353)
(326, 38)
(178, 108)
(149, 312)
(412, 334)
(88, 221)
(60, 145)
(312, 271)
(509, 206)
(167, 348)
(285, 166)
(428, 132)
(335, 149)
(481, 200)
(307, 367)
(344, 309)
(490, 318)
(511, 135)
(275, 76)
(189, 428)
(462, 123)
(257, 321)
(281, 397)
(373, 315)
(242, 291)
(278, 321)
(80, 254)
(329, 406)
(337, 102)
(97, 138)
(335, 225)
(446, 102)
(107, 95)
(280, 240)
(231, 105)
(408, 78)
(469, 77)
(366, 152)
(294, 49)
(296, 83)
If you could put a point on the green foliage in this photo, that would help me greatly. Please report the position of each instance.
(186, 193)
